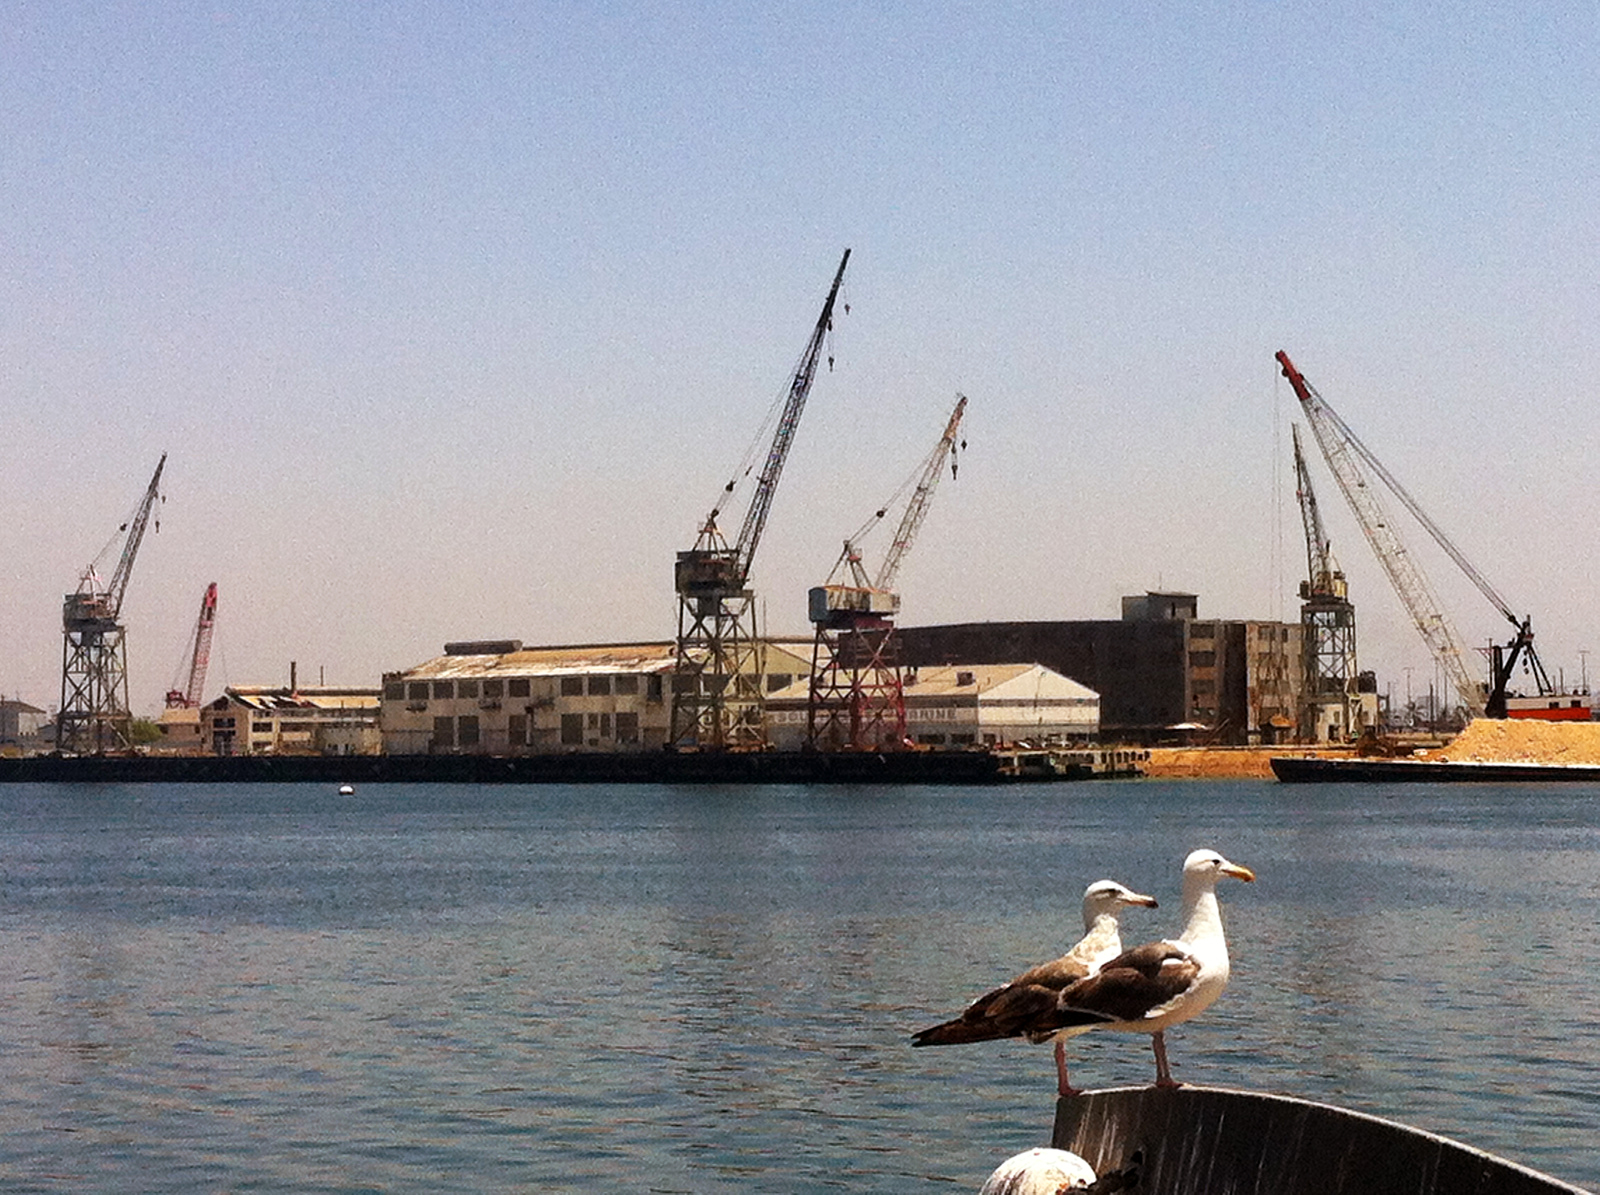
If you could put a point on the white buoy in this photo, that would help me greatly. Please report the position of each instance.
(1039, 1172)
(346, 790)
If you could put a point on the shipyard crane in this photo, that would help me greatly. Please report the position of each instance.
(188, 697)
(1331, 708)
(1346, 454)
(94, 716)
(857, 692)
(717, 698)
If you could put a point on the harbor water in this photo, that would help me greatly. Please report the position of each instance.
(695, 989)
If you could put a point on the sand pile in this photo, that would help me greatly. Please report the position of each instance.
(1214, 763)
(1524, 740)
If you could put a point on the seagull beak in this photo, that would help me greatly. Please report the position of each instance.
(1139, 898)
(1239, 872)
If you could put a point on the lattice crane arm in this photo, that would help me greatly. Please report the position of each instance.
(1319, 551)
(917, 507)
(199, 654)
(755, 519)
(1345, 454)
(130, 548)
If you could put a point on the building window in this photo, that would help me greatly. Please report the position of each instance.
(444, 688)
(444, 734)
(417, 690)
(467, 730)
(496, 688)
(627, 728)
(778, 680)
(467, 688)
(599, 686)
(571, 729)
(572, 686)
(517, 730)
(605, 726)
(1202, 659)
(519, 688)
(394, 691)
(627, 686)
(652, 691)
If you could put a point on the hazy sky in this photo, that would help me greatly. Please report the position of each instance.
(455, 318)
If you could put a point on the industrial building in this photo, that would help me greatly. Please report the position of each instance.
(964, 706)
(1162, 673)
(20, 723)
(180, 731)
(498, 698)
(263, 720)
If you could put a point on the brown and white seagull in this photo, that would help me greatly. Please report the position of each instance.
(1148, 988)
(1020, 1008)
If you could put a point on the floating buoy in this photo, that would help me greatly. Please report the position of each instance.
(1039, 1172)
(346, 790)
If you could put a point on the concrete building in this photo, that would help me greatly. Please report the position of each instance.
(498, 698)
(963, 706)
(20, 724)
(180, 732)
(264, 720)
(1163, 674)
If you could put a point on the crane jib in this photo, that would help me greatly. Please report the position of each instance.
(1345, 453)
(755, 518)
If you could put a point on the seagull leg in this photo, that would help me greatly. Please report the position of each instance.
(1158, 1042)
(1063, 1086)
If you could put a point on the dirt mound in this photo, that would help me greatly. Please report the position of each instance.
(1214, 763)
(1524, 740)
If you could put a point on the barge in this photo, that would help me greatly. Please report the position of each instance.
(1306, 769)
(645, 767)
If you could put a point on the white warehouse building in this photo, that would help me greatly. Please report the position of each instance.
(968, 705)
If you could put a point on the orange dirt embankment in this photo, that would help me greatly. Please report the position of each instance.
(1523, 740)
(1223, 763)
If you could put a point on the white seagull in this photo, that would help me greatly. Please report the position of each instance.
(1021, 1007)
(1148, 988)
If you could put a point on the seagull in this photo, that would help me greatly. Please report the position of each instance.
(1148, 988)
(1018, 1008)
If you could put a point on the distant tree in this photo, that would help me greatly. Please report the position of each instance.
(142, 732)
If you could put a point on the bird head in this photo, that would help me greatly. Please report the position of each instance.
(1206, 866)
(1108, 896)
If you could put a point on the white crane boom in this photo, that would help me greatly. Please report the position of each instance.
(1345, 454)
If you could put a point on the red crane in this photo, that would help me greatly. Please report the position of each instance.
(188, 697)
(857, 697)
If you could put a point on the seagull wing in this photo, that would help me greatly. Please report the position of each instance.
(1132, 986)
(1012, 1009)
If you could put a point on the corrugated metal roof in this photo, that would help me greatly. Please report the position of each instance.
(261, 697)
(640, 658)
(784, 655)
